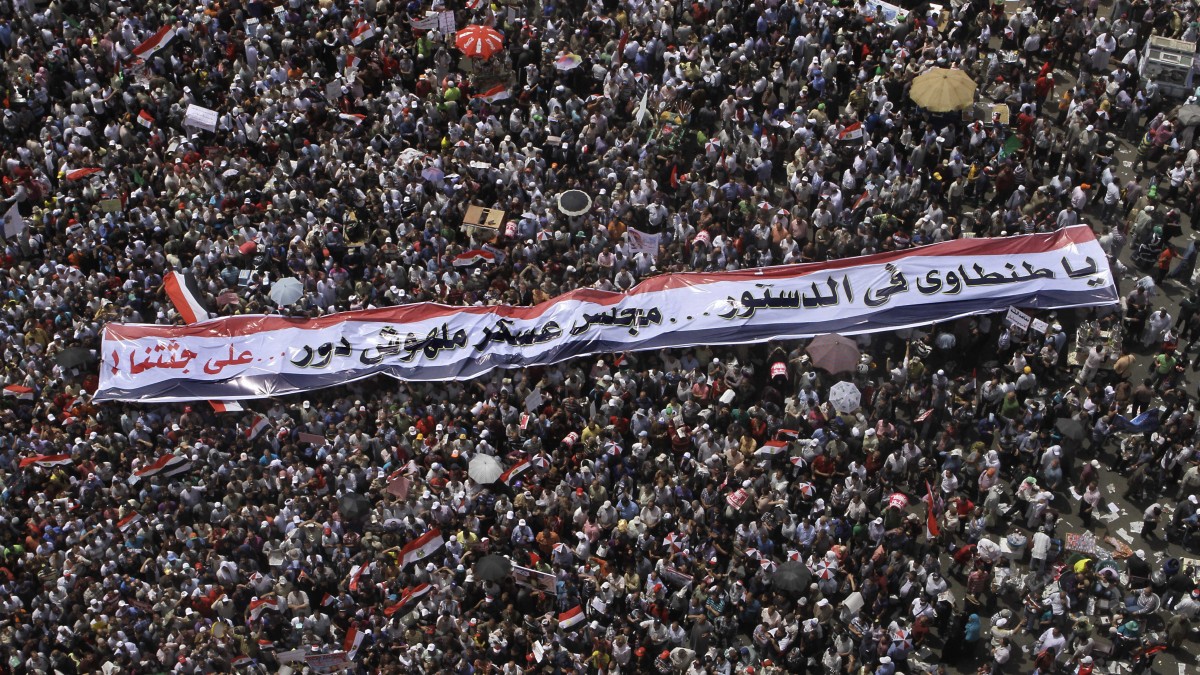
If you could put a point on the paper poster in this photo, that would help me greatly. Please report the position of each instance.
(199, 116)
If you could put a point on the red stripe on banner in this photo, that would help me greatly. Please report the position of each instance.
(245, 325)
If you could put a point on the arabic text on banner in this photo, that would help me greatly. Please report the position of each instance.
(249, 357)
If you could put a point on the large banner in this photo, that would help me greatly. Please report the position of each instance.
(249, 357)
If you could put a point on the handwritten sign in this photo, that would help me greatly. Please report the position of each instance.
(1017, 319)
(1038, 326)
(248, 357)
(199, 116)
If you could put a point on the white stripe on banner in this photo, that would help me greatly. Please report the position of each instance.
(248, 357)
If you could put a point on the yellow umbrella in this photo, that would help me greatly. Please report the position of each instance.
(943, 90)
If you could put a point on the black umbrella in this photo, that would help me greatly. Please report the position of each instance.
(354, 506)
(574, 202)
(792, 576)
(1070, 428)
(74, 357)
(492, 568)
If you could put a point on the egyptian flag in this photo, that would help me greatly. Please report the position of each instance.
(772, 448)
(264, 643)
(242, 661)
(571, 617)
(421, 547)
(362, 32)
(166, 466)
(45, 460)
(474, 4)
(145, 119)
(352, 62)
(80, 174)
(18, 391)
(226, 406)
(354, 638)
(257, 425)
(851, 132)
(515, 470)
(788, 433)
(356, 573)
(257, 606)
(472, 257)
(185, 296)
(154, 43)
(493, 94)
(931, 518)
(129, 521)
(862, 200)
(356, 119)
(328, 600)
(407, 598)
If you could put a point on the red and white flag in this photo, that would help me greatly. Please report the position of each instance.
(851, 132)
(362, 32)
(493, 94)
(241, 661)
(571, 617)
(356, 573)
(862, 199)
(129, 521)
(515, 470)
(226, 406)
(80, 174)
(165, 466)
(45, 460)
(472, 257)
(145, 119)
(184, 293)
(352, 62)
(354, 638)
(328, 600)
(772, 448)
(257, 425)
(421, 547)
(407, 599)
(258, 606)
(154, 43)
(356, 119)
(19, 391)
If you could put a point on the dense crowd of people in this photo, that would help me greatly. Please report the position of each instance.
(921, 532)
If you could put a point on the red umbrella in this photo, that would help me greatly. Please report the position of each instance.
(479, 42)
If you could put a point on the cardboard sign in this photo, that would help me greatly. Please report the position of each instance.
(1038, 326)
(482, 217)
(110, 205)
(314, 439)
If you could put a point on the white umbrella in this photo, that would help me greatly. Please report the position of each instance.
(484, 469)
(845, 397)
(286, 291)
